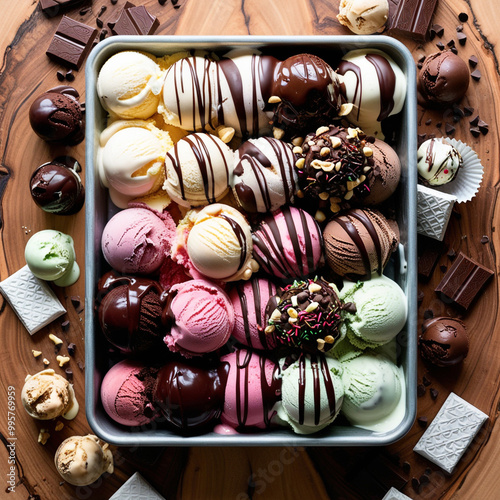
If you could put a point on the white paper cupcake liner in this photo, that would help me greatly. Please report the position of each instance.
(468, 179)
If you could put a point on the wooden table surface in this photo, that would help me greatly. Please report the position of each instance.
(268, 473)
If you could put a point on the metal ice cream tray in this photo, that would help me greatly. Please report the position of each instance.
(403, 267)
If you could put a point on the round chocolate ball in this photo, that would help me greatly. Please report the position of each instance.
(443, 79)
(57, 188)
(444, 341)
(56, 116)
(190, 396)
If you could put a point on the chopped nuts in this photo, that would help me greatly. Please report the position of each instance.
(312, 307)
(320, 164)
(46, 362)
(352, 184)
(338, 166)
(336, 142)
(328, 168)
(322, 130)
(314, 287)
(59, 426)
(269, 329)
(55, 339)
(292, 312)
(36, 353)
(299, 193)
(324, 151)
(292, 320)
(274, 99)
(300, 162)
(329, 339)
(43, 436)
(276, 315)
(366, 169)
(297, 150)
(319, 216)
(367, 151)
(345, 109)
(348, 195)
(352, 133)
(321, 344)
(297, 141)
(335, 207)
(323, 196)
(278, 133)
(62, 360)
(226, 134)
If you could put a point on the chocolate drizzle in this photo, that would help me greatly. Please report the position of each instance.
(240, 235)
(269, 242)
(269, 391)
(320, 373)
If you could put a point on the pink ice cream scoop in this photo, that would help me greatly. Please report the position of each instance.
(250, 300)
(288, 244)
(252, 389)
(202, 318)
(137, 240)
(127, 393)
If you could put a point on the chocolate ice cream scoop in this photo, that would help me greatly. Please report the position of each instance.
(444, 341)
(443, 79)
(56, 116)
(56, 186)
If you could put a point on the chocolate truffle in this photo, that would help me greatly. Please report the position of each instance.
(190, 396)
(438, 162)
(444, 341)
(56, 186)
(56, 116)
(443, 79)
(130, 312)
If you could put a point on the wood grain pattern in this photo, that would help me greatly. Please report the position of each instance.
(267, 473)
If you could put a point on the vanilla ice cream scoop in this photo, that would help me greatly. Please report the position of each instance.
(81, 460)
(129, 84)
(130, 159)
(197, 170)
(50, 255)
(375, 85)
(363, 17)
(46, 396)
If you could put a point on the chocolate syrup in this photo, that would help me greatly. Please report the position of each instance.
(387, 84)
(240, 235)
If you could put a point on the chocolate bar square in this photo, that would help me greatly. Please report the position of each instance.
(134, 21)
(71, 43)
(53, 7)
(136, 488)
(433, 212)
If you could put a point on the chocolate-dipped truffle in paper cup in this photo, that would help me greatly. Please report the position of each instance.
(465, 182)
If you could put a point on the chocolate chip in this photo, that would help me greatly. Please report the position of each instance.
(462, 38)
(99, 22)
(415, 484)
(474, 122)
(60, 76)
(434, 393)
(114, 2)
(70, 76)
(102, 34)
(421, 138)
(468, 111)
(76, 301)
(428, 471)
(451, 43)
(438, 124)
(419, 65)
(451, 254)
(426, 381)
(476, 75)
(422, 421)
(428, 314)
(71, 349)
(460, 28)
(406, 467)
(463, 17)
(102, 11)
(420, 296)
(475, 131)
(449, 129)
(302, 297)
(175, 6)
(437, 29)
(422, 59)
(485, 240)
(483, 127)
(69, 373)
(65, 326)
(428, 122)
(473, 60)
(424, 479)
(443, 268)
(420, 390)
(81, 365)
(440, 45)
(84, 11)
(454, 50)
(162, 2)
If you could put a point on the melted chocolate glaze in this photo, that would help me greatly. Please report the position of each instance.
(240, 235)
(56, 188)
(190, 397)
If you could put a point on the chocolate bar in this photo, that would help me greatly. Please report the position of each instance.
(464, 280)
(35, 304)
(450, 433)
(71, 43)
(413, 18)
(429, 251)
(136, 488)
(134, 21)
(433, 211)
(53, 7)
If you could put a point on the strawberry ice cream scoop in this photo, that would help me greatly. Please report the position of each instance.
(252, 389)
(137, 240)
(127, 393)
(288, 244)
(201, 316)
